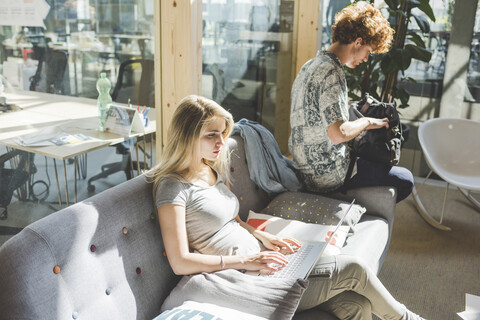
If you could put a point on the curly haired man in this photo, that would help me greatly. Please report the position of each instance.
(319, 110)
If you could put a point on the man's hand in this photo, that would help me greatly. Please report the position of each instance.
(375, 123)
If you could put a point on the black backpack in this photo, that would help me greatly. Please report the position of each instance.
(379, 145)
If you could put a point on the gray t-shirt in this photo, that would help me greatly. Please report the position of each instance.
(209, 216)
(319, 99)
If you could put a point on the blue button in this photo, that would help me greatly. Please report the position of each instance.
(108, 291)
(75, 315)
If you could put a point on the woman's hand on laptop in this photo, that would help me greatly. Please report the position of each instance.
(265, 262)
(280, 244)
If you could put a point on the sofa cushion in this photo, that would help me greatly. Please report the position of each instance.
(250, 196)
(369, 241)
(196, 310)
(273, 298)
(313, 208)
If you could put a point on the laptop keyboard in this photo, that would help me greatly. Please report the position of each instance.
(294, 262)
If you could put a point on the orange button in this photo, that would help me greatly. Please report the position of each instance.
(56, 269)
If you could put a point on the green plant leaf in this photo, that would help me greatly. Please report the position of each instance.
(387, 65)
(418, 53)
(398, 12)
(427, 9)
(413, 3)
(402, 59)
(403, 95)
(422, 23)
(416, 38)
(392, 4)
(374, 76)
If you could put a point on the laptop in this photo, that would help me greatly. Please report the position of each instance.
(301, 263)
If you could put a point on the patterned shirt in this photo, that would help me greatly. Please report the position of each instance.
(319, 99)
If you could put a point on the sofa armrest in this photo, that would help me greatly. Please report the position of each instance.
(379, 201)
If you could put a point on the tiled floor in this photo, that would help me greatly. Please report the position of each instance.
(22, 213)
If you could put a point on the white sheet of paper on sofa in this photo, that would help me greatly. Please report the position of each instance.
(472, 308)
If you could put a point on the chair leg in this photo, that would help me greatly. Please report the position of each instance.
(469, 196)
(424, 213)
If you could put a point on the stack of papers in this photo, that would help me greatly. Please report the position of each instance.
(472, 308)
(54, 139)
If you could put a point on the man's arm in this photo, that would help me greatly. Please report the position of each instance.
(342, 131)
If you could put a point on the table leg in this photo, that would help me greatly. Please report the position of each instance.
(138, 162)
(75, 179)
(130, 166)
(83, 165)
(58, 184)
(145, 153)
(66, 184)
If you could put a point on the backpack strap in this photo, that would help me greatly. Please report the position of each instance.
(346, 182)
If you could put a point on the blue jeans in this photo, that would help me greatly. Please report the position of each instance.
(371, 174)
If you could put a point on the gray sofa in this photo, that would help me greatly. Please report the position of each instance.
(102, 258)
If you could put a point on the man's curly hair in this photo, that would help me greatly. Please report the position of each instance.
(366, 22)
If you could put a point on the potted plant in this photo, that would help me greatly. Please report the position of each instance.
(379, 75)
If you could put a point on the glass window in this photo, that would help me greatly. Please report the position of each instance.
(81, 39)
(247, 52)
(428, 76)
(473, 77)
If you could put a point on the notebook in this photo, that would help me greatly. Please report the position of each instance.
(301, 263)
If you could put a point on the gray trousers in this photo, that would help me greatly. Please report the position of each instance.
(345, 286)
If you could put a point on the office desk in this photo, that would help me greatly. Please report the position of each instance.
(43, 113)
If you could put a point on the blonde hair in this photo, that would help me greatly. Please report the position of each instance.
(190, 121)
(366, 22)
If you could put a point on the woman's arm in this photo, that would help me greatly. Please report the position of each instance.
(174, 234)
(270, 241)
(342, 131)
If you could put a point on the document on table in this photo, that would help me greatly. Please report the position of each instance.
(54, 139)
(472, 308)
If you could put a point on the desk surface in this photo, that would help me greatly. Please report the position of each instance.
(44, 113)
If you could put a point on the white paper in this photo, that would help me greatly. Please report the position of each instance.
(23, 13)
(472, 302)
(54, 139)
(472, 308)
(120, 119)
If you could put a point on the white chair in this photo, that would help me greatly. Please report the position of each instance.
(452, 150)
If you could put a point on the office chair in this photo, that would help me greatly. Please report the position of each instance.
(52, 64)
(452, 150)
(11, 180)
(135, 83)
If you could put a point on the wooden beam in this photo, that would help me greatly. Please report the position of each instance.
(180, 52)
(305, 38)
(158, 79)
